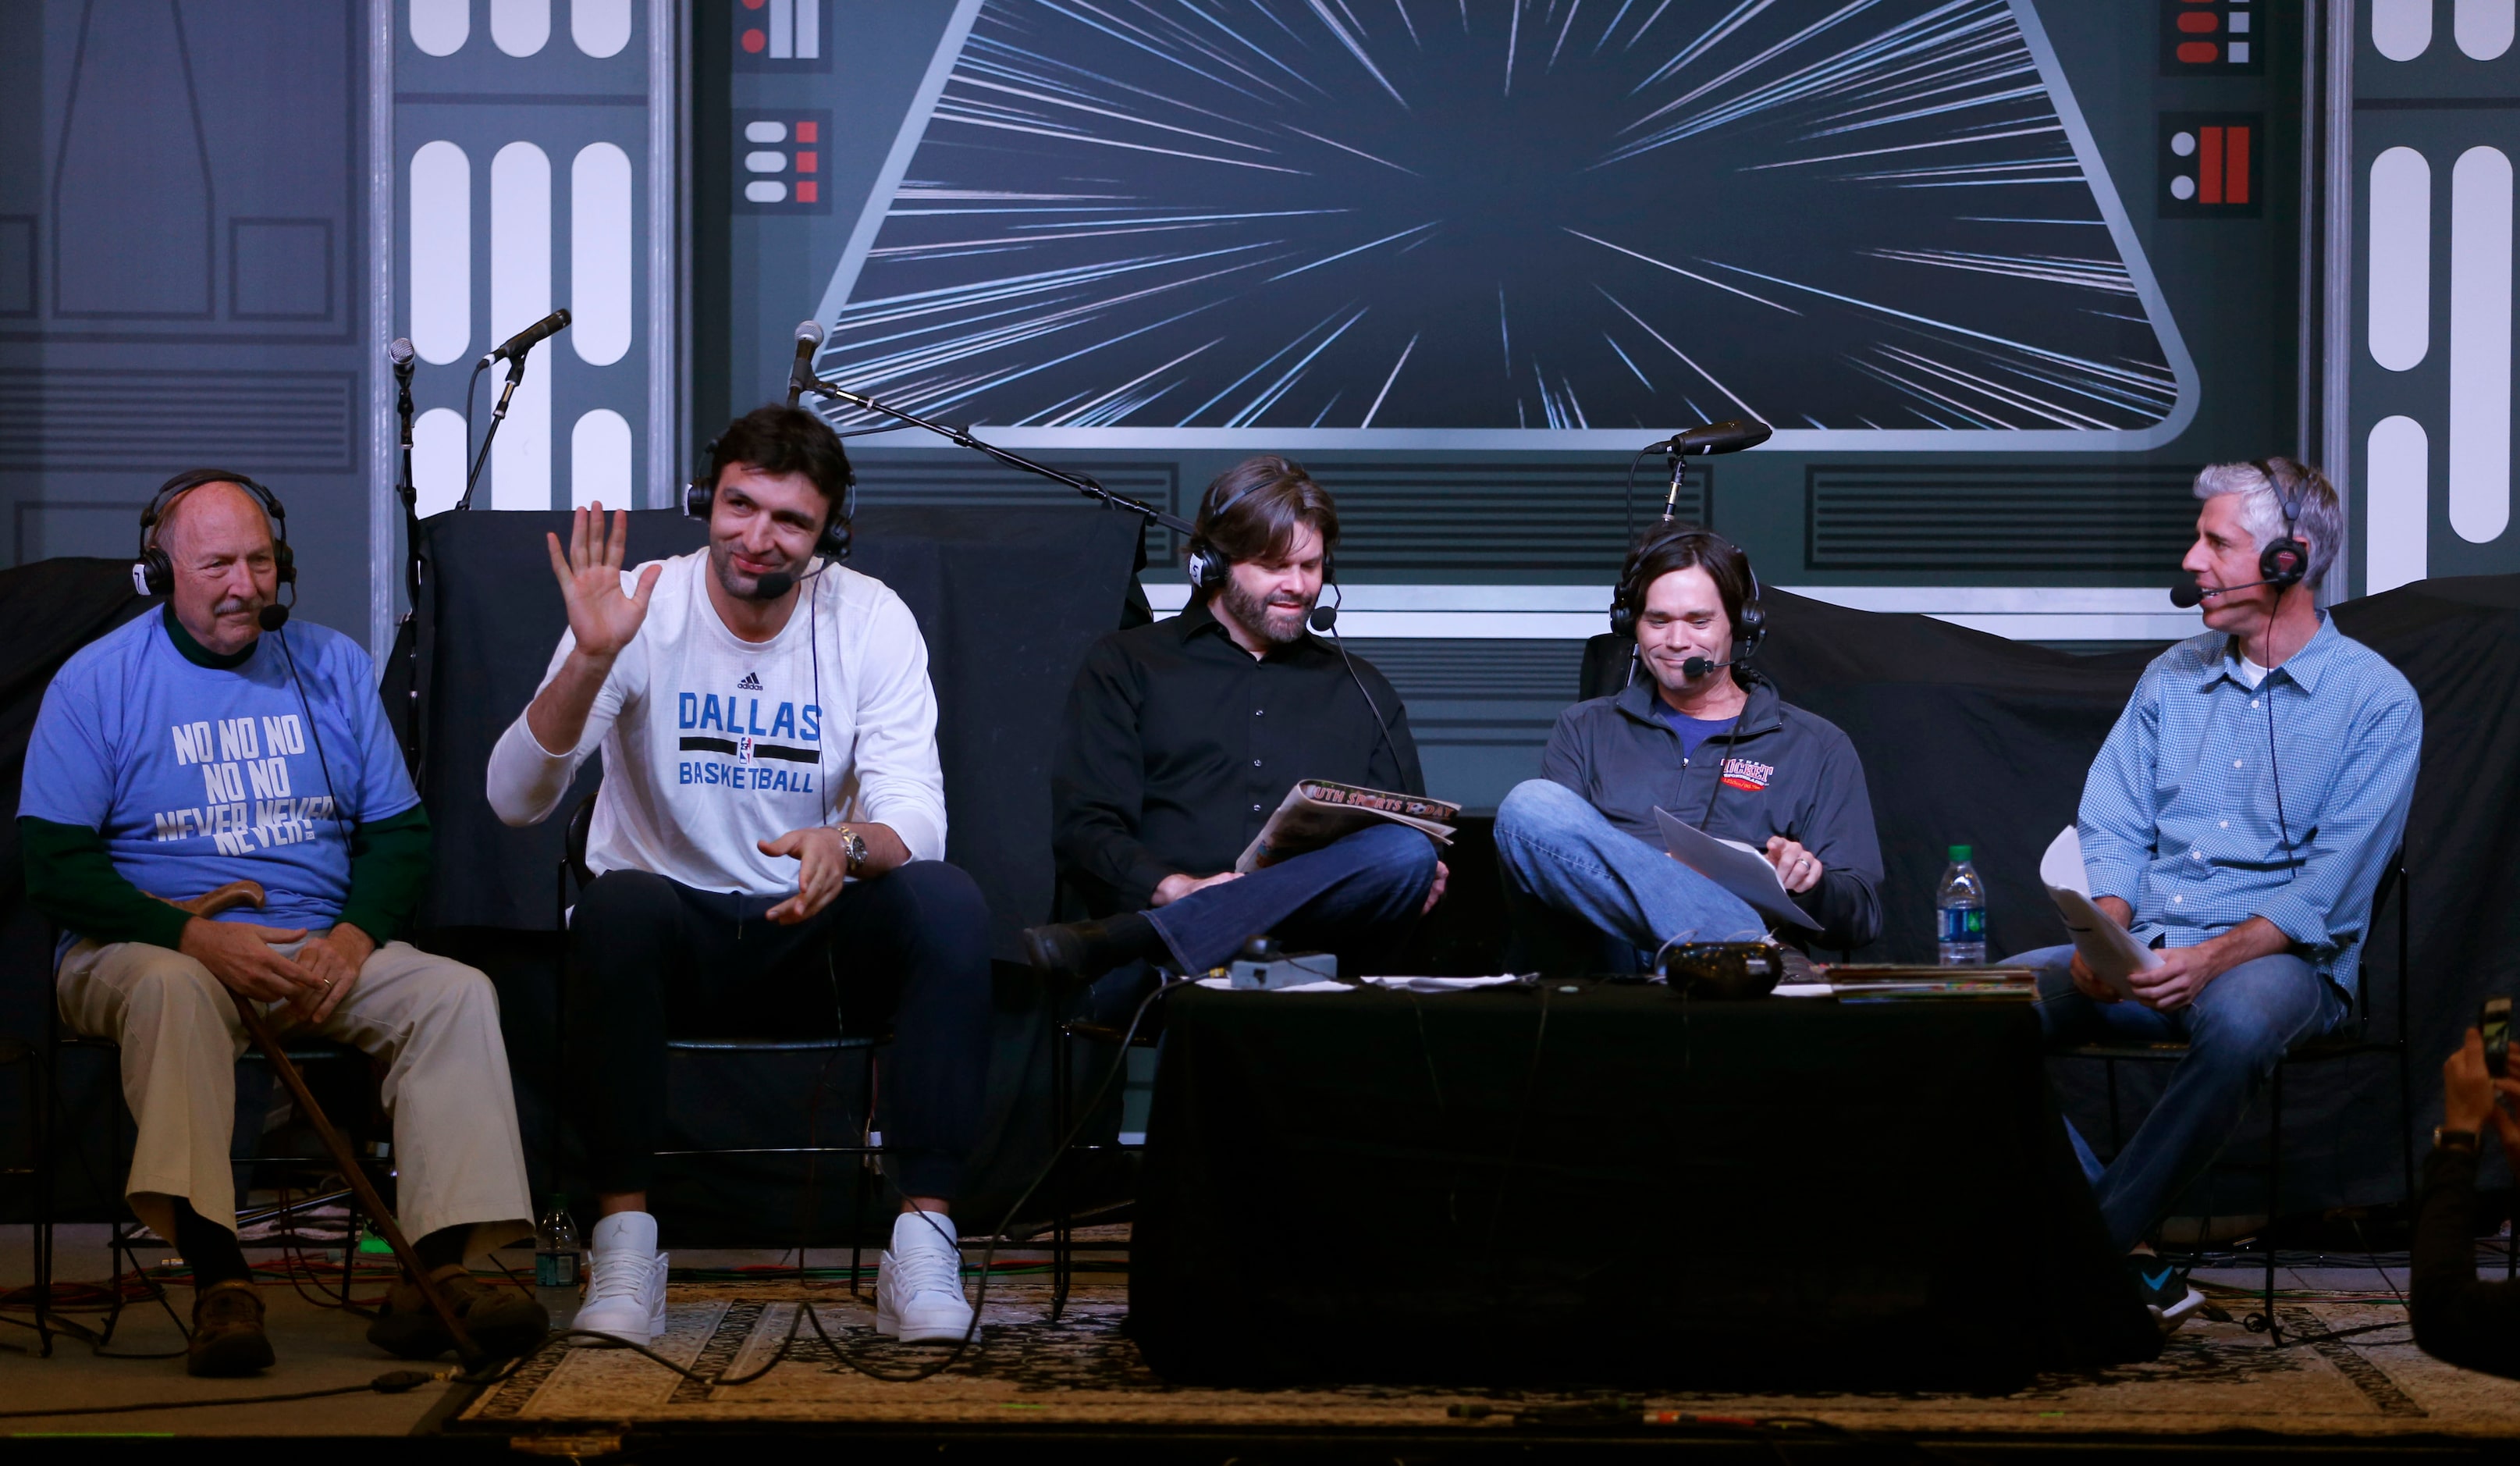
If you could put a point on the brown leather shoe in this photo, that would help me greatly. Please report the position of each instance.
(227, 1332)
(503, 1321)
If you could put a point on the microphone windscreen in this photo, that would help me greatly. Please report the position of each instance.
(772, 586)
(273, 617)
(2186, 595)
(400, 350)
(1695, 667)
(810, 331)
(1323, 617)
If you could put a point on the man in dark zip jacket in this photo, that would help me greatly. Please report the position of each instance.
(1697, 734)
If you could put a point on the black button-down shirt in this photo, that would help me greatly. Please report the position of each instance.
(1178, 744)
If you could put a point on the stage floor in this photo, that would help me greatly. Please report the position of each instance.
(1082, 1378)
(1083, 1375)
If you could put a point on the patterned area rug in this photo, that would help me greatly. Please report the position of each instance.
(1083, 1372)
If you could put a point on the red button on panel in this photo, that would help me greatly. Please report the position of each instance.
(805, 131)
(2198, 53)
(805, 163)
(2199, 21)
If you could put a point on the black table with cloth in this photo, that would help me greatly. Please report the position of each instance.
(1615, 1185)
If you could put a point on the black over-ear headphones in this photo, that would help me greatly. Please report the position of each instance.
(153, 574)
(1750, 626)
(2283, 562)
(1209, 566)
(832, 544)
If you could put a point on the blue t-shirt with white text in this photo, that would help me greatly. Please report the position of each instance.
(197, 776)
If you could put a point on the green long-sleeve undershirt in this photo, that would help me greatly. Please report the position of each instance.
(70, 878)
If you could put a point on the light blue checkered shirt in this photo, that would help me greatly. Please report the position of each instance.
(2179, 816)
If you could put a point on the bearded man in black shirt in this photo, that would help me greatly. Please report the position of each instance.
(1182, 737)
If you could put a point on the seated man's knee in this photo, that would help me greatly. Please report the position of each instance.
(1406, 854)
(945, 910)
(1535, 802)
(160, 978)
(453, 989)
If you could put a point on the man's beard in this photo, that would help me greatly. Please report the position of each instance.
(1277, 623)
(722, 564)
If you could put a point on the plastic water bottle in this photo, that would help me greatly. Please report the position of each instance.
(1959, 913)
(556, 1276)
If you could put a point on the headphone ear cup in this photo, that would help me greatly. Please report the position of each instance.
(834, 544)
(154, 573)
(2283, 563)
(1623, 621)
(1752, 632)
(696, 499)
(1206, 568)
(284, 562)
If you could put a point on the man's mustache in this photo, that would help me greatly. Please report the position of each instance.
(235, 605)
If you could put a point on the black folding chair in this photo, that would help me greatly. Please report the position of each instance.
(869, 1149)
(123, 1232)
(2352, 1040)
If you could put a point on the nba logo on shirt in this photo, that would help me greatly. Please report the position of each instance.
(744, 750)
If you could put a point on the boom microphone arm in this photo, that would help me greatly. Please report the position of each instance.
(1081, 483)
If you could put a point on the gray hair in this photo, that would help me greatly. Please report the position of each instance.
(2318, 513)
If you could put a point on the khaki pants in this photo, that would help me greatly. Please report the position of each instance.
(434, 1022)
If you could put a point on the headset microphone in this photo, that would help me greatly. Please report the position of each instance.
(1323, 619)
(2188, 594)
(272, 616)
(1698, 667)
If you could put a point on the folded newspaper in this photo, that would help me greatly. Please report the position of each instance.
(1317, 812)
(2108, 950)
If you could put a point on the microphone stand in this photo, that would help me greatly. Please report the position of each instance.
(1081, 483)
(1678, 480)
(497, 414)
(410, 497)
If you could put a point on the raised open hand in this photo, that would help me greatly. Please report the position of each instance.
(601, 615)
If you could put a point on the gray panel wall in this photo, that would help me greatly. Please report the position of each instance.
(180, 231)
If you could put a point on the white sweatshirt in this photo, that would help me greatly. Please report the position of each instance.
(711, 743)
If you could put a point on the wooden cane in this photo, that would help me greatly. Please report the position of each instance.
(228, 897)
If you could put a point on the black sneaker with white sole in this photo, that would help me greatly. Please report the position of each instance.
(2163, 1286)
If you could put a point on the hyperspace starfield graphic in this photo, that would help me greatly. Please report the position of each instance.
(1342, 218)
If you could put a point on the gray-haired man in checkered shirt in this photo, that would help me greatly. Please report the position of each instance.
(2237, 819)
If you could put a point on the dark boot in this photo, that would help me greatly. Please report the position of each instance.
(503, 1321)
(227, 1332)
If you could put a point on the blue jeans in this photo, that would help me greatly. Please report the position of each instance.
(2236, 1030)
(1357, 896)
(1571, 878)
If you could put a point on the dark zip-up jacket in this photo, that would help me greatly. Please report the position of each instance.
(1782, 771)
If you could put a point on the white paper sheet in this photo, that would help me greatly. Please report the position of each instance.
(1443, 985)
(1735, 867)
(2108, 950)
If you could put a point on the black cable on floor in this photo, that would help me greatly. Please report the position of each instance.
(391, 1381)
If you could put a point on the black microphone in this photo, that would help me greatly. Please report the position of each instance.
(273, 617)
(400, 352)
(1729, 437)
(1323, 619)
(772, 586)
(2188, 595)
(516, 346)
(809, 340)
(1698, 667)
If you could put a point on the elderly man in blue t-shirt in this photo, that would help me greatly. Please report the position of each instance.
(2237, 821)
(189, 749)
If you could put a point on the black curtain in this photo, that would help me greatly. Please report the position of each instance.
(1972, 739)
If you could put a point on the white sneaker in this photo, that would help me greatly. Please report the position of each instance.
(625, 1280)
(918, 1284)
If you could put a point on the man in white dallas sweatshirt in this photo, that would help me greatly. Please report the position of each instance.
(768, 846)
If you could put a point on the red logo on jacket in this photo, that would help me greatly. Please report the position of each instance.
(1747, 773)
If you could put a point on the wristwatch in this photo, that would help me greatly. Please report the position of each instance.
(2446, 1139)
(854, 844)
